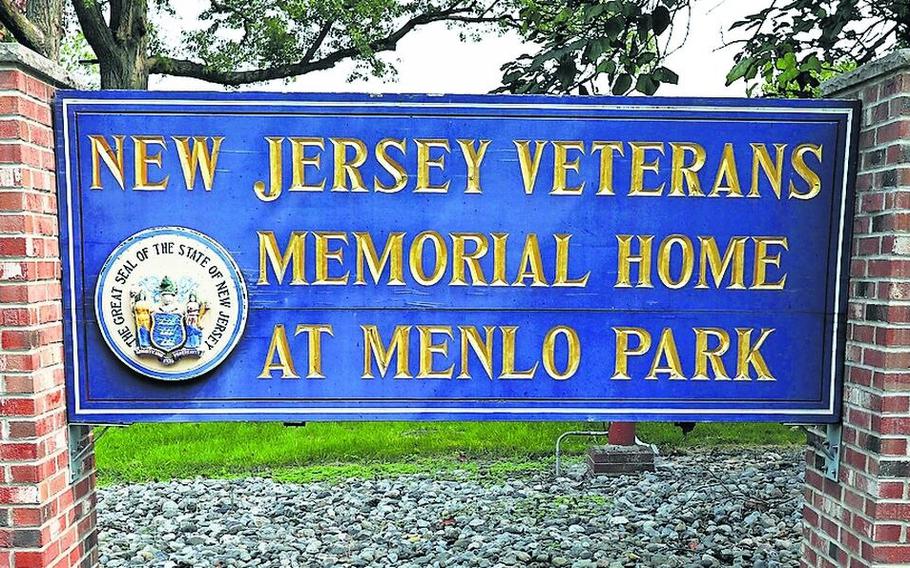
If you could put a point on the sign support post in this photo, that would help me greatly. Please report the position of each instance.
(47, 501)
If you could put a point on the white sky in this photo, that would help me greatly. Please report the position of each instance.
(433, 59)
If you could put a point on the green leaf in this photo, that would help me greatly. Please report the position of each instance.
(644, 27)
(665, 75)
(622, 84)
(597, 49)
(660, 20)
(739, 70)
(593, 11)
(613, 27)
(811, 63)
(646, 84)
(606, 66)
(565, 72)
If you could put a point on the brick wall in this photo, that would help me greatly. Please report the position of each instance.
(47, 518)
(864, 518)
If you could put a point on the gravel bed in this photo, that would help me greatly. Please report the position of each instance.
(708, 508)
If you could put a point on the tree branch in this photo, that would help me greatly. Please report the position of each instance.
(317, 41)
(96, 31)
(185, 68)
(25, 32)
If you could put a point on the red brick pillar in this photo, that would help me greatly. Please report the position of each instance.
(863, 519)
(47, 507)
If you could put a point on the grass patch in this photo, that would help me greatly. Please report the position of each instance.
(330, 450)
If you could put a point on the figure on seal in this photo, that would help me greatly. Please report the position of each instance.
(193, 318)
(142, 314)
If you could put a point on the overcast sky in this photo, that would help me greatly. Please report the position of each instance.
(434, 60)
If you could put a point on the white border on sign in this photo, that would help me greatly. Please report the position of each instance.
(848, 112)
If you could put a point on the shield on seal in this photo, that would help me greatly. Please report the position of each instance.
(168, 331)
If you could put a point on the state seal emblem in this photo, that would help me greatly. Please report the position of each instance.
(171, 303)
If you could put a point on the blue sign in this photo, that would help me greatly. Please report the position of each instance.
(299, 257)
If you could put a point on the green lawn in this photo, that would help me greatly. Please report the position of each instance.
(324, 450)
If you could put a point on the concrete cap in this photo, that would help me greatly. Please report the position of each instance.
(17, 56)
(886, 65)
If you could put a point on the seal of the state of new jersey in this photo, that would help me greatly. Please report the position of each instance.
(171, 303)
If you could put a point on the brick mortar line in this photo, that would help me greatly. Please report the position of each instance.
(34, 350)
(884, 348)
(885, 167)
(38, 214)
(874, 391)
(892, 211)
(36, 417)
(36, 304)
(28, 97)
(36, 462)
(27, 144)
(25, 119)
(26, 191)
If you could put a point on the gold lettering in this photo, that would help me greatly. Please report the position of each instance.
(664, 257)
(428, 350)
(483, 349)
(798, 159)
(561, 166)
(763, 259)
(373, 348)
(607, 150)
(472, 159)
(684, 174)
(424, 163)
(314, 346)
(102, 152)
(750, 355)
(529, 166)
(300, 162)
(623, 351)
(774, 170)
(705, 355)
(279, 347)
(499, 259)
(399, 174)
(275, 174)
(626, 258)
(735, 255)
(292, 256)
(461, 259)
(562, 279)
(573, 358)
(666, 349)
(392, 254)
(142, 160)
(346, 169)
(508, 356)
(531, 265)
(324, 254)
(639, 167)
(727, 180)
(192, 158)
(440, 258)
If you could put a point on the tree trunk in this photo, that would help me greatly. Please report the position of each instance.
(129, 70)
(47, 15)
(121, 45)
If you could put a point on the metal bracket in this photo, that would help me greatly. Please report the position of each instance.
(78, 445)
(832, 450)
(572, 433)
